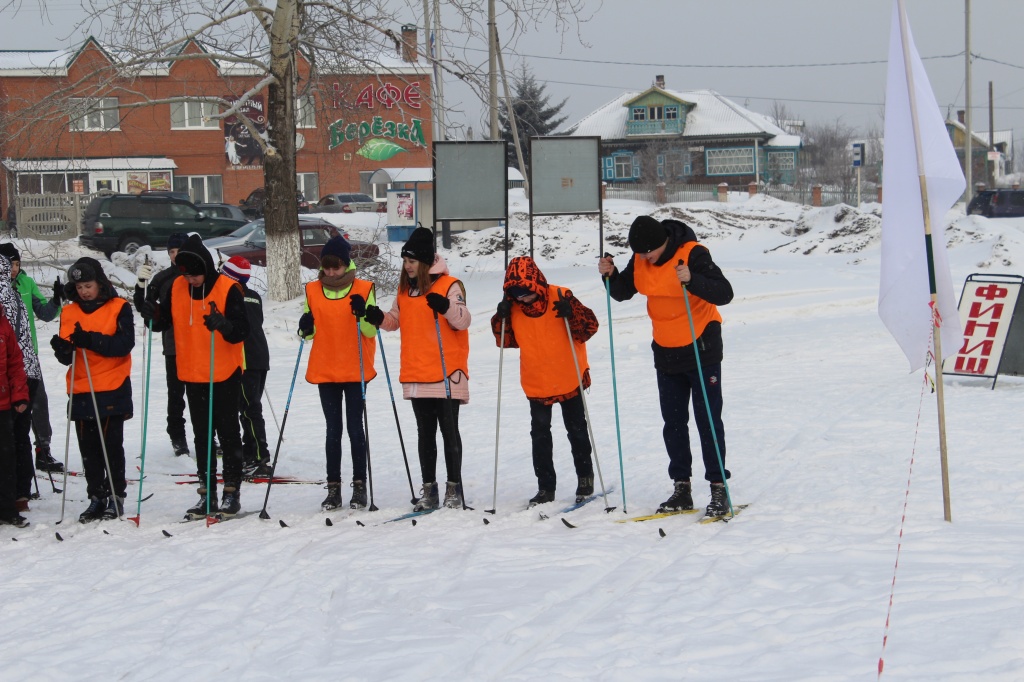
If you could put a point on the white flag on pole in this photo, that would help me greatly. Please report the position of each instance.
(904, 292)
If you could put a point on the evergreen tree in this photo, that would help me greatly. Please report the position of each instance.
(534, 115)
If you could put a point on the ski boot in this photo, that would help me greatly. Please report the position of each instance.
(428, 498)
(180, 446)
(230, 502)
(198, 510)
(263, 470)
(46, 462)
(453, 496)
(681, 499)
(542, 496)
(358, 500)
(94, 512)
(115, 508)
(719, 505)
(333, 499)
(585, 488)
(16, 520)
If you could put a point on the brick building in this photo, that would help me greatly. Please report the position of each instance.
(88, 136)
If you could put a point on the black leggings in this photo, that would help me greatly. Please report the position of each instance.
(431, 412)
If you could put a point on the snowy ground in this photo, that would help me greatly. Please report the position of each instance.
(822, 423)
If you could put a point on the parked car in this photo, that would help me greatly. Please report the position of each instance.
(124, 222)
(254, 204)
(348, 202)
(222, 211)
(314, 234)
(233, 238)
(184, 196)
(998, 203)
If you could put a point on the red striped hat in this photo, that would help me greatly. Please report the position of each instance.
(237, 268)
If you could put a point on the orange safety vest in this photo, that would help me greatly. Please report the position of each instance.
(108, 374)
(665, 304)
(545, 362)
(420, 356)
(335, 355)
(192, 338)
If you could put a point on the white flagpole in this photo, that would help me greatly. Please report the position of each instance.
(936, 335)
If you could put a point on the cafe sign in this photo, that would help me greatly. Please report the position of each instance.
(375, 136)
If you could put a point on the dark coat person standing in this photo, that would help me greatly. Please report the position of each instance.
(205, 308)
(667, 258)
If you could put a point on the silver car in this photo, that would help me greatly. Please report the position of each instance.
(348, 202)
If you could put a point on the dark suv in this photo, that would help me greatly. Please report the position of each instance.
(254, 204)
(998, 203)
(124, 222)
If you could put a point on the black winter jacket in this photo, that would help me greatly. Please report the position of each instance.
(159, 289)
(706, 282)
(257, 353)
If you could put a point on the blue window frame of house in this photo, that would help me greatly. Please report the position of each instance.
(674, 164)
(621, 165)
(657, 112)
(671, 113)
(639, 113)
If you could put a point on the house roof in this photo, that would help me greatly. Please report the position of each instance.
(981, 138)
(712, 116)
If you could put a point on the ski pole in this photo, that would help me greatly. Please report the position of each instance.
(586, 410)
(210, 520)
(497, 420)
(615, 387)
(271, 405)
(148, 352)
(103, 440)
(280, 433)
(366, 423)
(704, 391)
(398, 424)
(67, 435)
(448, 406)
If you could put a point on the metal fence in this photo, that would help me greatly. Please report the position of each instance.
(50, 217)
(830, 196)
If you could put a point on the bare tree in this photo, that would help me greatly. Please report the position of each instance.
(826, 153)
(271, 44)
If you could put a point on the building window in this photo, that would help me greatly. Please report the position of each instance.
(639, 113)
(672, 113)
(309, 185)
(94, 113)
(674, 164)
(204, 189)
(305, 111)
(738, 161)
(52, 183)
(657, 113)
(780, 161)
(185, 115)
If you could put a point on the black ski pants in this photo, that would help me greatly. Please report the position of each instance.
(111, 430)
(431, 413)
(331, 398)
(225, 427)
(24, 462)
(575, 420)
(254, 429)
(41, 428)
(8, 468)
(674, 392)
(175, 400)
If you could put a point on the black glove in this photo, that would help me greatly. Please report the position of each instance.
(504, 309)
(563, 307)
(216, 322)
(374, 315)
(58, 292)
(306, 324)
(81, 338)
(438, 303)
(63, 349)
(149, 310)
(358, 304)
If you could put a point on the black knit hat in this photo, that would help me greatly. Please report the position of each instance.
(337, 246)
(176, 240)
(420, 246)
(10, 252)
(82, 271)
(646, 234)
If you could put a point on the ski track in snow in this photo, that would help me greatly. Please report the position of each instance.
(821, 420)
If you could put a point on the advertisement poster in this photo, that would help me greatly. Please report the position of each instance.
(160, 181)
(137, 181)
(402, 208)
(241, 149)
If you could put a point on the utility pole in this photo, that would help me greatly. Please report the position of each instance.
(967, 105)
(492, 69)
(442, 124)
(428, 48)
(991, 163)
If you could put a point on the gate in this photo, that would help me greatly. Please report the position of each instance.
(51, 217)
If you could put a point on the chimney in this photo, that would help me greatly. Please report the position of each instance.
(409, 43)
(960, 115)
(659, 81)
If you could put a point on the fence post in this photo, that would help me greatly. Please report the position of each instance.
(879, 194)
(723, 192)
(816, 195)
(659, 193)
(752, 188)
(604, 191)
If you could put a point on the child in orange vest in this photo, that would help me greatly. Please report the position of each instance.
(13, 400)
(202, 304)
(344, 344)
(431, 311)
(535, 313)
(98, 326)
(667, 257)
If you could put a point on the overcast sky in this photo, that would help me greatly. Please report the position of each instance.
(623, 44)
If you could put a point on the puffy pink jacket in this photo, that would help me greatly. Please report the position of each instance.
(13, 384)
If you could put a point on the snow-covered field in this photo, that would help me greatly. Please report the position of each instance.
(822, 419)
